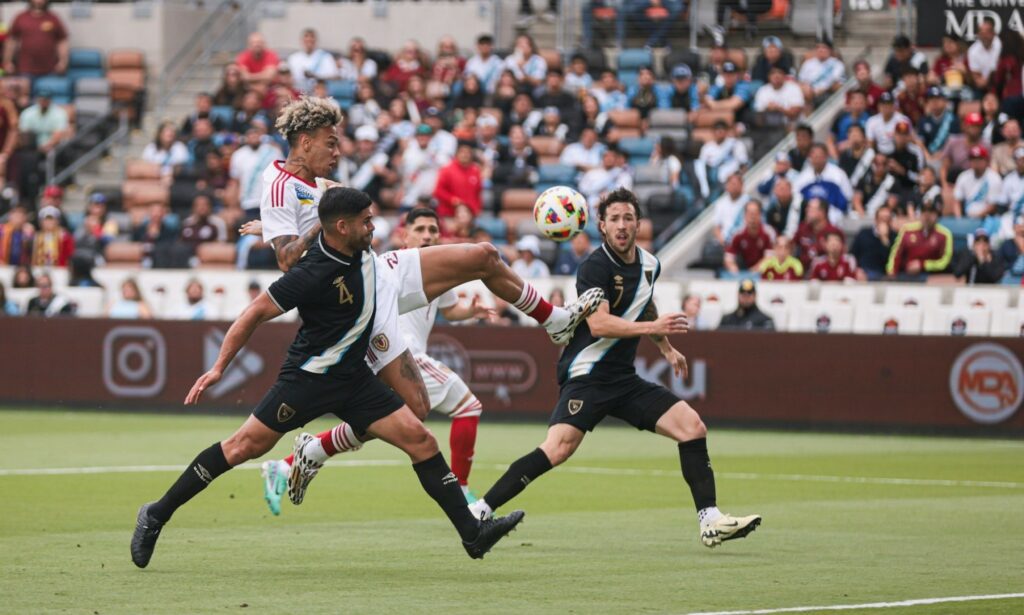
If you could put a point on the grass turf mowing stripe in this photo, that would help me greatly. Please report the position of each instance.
(868, 605)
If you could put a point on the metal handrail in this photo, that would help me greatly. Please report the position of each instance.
(119, 135)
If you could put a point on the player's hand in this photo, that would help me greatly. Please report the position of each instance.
(205, 381)
(678, 363)
(667, 324)
(252, 227)
(480, 310)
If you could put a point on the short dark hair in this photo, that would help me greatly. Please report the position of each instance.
(421, 212)
(721, 124)
(342, 203)
(619, 195)
(556, 71)
(805, 128)
(836, 233)
(485, 39)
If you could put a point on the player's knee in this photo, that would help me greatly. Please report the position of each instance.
(417, 440)
(242, 447)
(559, 451)
(488, 257)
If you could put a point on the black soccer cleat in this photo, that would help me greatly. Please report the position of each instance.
(147, 530)
(491, 531)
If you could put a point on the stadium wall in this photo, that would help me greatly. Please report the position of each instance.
(950, 384)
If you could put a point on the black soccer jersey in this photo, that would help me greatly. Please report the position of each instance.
(336, 298)
(628, 289)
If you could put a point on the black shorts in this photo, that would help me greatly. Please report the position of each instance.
(298, 397)
(584, 402)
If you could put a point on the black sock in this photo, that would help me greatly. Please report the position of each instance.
(207, 466)
(440, 483)
(517, 477)
(693, 457)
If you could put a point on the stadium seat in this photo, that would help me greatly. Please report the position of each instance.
(126, 59)
(629, 79)
(721, 292)
(779, 314)
(651, 174)
(961, 228)
(647, 194)
(90, 108)
(124, 254)
(92, 87)
(1008, 323)
(860, 296)
(547, 147)
(518, 199)
(993, 298)
(21, 296)
(140, 192)
(638, 149)
(668, 295)
(821, 317)
(891, 319)
(495, 227)
(557, 174)
(913, 295)
(667, 118)
(17, 89)
(782, 293)
(681, 56)
(527, 226)
(710, 315)
(141, 169)
(552, 57)
(625, 118)
(596, 61)
(225, 113)
(218, 254)
(957, 320)
(634, 59)
(60, 88)
(340, 89)
(679, 135)
(85, 58)
(90, 301)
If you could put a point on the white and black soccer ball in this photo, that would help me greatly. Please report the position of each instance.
(560, 213)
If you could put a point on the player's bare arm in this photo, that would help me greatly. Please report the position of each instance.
(673, 356)
(466, 311)
(603, 323)
(258, 312)
(290, 248)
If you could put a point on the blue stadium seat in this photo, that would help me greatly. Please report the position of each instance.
(638, 149)
(634, 59)
(74, 74)
(59, 87)
(556, 174)
(628, 78)
(85, 58)
(225, 113)
(495, 227)
(961, 228)
(663, 93)
(341, 90)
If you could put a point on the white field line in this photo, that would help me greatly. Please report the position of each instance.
(358, 463)
(868, 605)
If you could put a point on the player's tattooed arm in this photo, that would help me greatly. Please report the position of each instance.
(650, 314)
(290, 248)
(413, 383)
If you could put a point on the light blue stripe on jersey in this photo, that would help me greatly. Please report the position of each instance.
(590, 356)
(330, 357)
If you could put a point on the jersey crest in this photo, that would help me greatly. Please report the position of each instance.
(304, 195)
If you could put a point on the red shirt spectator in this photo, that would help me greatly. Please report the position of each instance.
(459, 183)
(827, 270)
(404, 67)
(748, 246)
(42, 42)
(924, 246)
(258, 63)
(1006, 80)
(52, 245)
(810, 236)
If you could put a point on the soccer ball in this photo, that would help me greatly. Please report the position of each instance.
(560, 213)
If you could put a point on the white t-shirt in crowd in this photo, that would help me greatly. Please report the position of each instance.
(983, 60)
(787, 97)
(880, 131)
(247, 166)
(977, 193)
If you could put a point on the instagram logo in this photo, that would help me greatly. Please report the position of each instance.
(134, 361)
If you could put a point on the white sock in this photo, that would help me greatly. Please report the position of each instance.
(709, 515)
(315, 451)
(481, 510)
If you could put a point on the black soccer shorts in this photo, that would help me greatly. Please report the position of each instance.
(585, 401)
(298, 397)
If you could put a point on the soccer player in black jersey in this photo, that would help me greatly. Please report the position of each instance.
(334, 289)
(597, 375)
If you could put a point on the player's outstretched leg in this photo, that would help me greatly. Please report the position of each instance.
(251, 440)
(682, 423)
(404, 430)
(310, 453)
(561, 442)
(445, 267)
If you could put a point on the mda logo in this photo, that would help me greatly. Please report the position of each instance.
(987, 383)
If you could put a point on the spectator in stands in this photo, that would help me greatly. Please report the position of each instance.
(922, 247)
(232, 88)
(783, 212)
(593, 117)
(732, 94)
(524, 62)
(419, 167)
(202, 225)
(906, 160)
(1003, 153)
(822, 73)
(879, 127)
(780, 264)
(938, 123)
(609, 92)
(1012, 197)
(195, 308)
(80, 270)
(666, 156)
(749, 9)
(528, 264)
(201, 145)
(23, 277)
(772, 56)
(472, 94)
(910, 99)
(729, 210)
(484, 64)
(551, 125)
(96, 229)
(654, 18)
(204, 104)
(459, 183)
(875, 187)
(52, 245)
(155, 230)
(684, 90)
(358, 65)
(747, 315)
(821, 177)
(691, 307)
(370, 171)
(810, 236)
(927, 191)
(992, 120)
(569, 260)
(246, 167)
(554, 94)
(166, 150)
(979, 188)
(749, 245)
(250, 111)
(311, 63)
(950, 69)
(585, 154)
(834, 265)
(16, 238)
(904, 58)
(448, 64)
(956, 155)
(48, 303)
(779, 96)
(1005, 81)
(47, 123)
(8, 135)
(872, 245)
(39, 41)
(856, 155)
(613, 173)
(1011, 252)
(578, 80)
(866, 85)
(517, 163)
(644, 96)
(723, 156)
(979, 265)
(8, 307)
(131, 305)
(254, 290)
(803, 138)
(257, 64)
(983, 55)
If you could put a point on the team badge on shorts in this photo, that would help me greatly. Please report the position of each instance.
(381, 342)
(285, 413)
(575, 405)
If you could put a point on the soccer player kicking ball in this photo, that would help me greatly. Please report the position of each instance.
(448, 394)
(598, 378)
(335, 290)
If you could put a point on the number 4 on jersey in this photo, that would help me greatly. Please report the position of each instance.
(344, 295)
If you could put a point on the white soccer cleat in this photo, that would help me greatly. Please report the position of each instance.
(303, 469)
(575, 313)
(727, 527)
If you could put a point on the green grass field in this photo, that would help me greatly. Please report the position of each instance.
(611, 532)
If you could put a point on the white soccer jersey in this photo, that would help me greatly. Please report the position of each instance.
(880, 131)
(416, 325)
(288, 205)
(975, 193)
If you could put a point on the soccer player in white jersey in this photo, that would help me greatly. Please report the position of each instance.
(448, 394)
(289, 222)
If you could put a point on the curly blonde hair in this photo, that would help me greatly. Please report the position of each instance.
(307, 115)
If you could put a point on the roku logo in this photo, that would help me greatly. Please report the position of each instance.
(986, 383)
